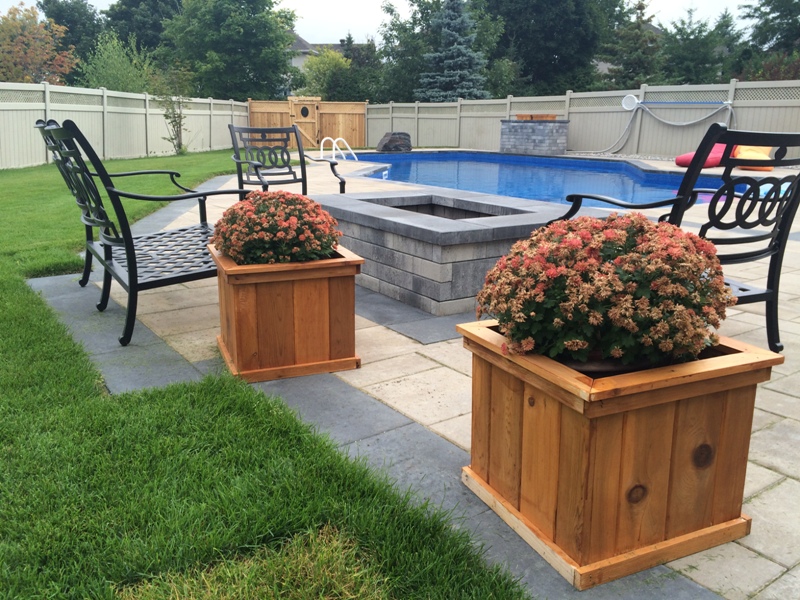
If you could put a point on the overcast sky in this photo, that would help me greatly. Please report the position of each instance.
(328, 21)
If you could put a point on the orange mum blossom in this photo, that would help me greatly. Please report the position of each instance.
(622, 287)
(276, 227)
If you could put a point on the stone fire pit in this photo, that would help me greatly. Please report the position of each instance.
(432, 249)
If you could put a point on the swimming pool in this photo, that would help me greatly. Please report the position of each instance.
(532, 177)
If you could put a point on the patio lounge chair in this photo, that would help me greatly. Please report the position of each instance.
(747, 217)
(262, 157)
(137, 263)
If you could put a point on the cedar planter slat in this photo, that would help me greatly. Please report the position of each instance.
(606, 477)
(288, 319)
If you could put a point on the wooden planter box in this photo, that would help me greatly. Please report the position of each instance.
(606, 477)
(288, 319)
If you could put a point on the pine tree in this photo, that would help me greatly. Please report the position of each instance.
(455, 69)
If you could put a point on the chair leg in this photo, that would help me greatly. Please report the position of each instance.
(87, 270)
(773, 333)
(105, 292)
(130, 317)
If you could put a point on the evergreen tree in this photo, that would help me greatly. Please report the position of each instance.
(455, 68)
(363, 79)
(730, 46)
(635, 57)
(776, 24)
(691, 52)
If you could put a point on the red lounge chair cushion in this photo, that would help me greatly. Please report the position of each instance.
(712, 161)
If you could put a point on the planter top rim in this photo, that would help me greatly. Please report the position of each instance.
(342, 257)
(734, 357)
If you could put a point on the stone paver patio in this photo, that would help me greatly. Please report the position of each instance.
(416, 369)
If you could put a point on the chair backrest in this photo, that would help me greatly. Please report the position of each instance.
(262, 155)
(65, 144)
(748, 217)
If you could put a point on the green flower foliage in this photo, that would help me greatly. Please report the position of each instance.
(624, 286)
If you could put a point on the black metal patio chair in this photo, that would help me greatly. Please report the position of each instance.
(748, 217)
(262, 157)
(140, 262)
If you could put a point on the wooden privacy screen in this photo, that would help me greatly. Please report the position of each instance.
(315, 119)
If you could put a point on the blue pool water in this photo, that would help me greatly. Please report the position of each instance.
(536, 178)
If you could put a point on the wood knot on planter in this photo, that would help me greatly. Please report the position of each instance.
(531, 401)
(636, 494)
(703, 456)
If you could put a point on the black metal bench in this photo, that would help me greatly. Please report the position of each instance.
(262, 157)
(748, 217)
(140, 262)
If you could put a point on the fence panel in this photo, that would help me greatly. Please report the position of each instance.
(119, 125)
(663, 121)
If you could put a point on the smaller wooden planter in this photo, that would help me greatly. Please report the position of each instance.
(606, 477)
(288, 319)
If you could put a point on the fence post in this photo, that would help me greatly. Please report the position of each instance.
(508, 107)
(147, 124)
(416, 123)
(458, 123)
(567, 98)
(46, 93)
(731, 99)
(104, 121)
(391, 115)
(210, 123)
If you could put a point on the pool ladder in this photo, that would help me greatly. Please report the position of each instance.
(336, 148)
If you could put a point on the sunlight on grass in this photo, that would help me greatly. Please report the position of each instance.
(320, 564)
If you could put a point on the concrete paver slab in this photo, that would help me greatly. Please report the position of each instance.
(428, 397)
(783, 588)
(458, 430)
(451, 354)
(730, 570)
(388, 369)
(776, 528)
(379, 343)
(758, 479)
(776, 447)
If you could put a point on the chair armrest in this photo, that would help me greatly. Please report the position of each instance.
(576, 201)
(173, 175)
(332, 164)
(199, 196)
(327, 160)
(188, 196)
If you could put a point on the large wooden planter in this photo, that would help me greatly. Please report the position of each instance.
(290, 319)
(606, 477)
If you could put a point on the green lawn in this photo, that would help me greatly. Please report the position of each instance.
(203, 490)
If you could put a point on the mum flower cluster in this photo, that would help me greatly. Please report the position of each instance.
(621, 287)
(275, 227)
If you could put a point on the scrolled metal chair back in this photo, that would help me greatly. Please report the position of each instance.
(78, 177)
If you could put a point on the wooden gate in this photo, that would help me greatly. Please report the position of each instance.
(315, 119)
(304, 112)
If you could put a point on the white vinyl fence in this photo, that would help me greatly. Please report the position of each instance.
(659, 120)
(118, 125)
